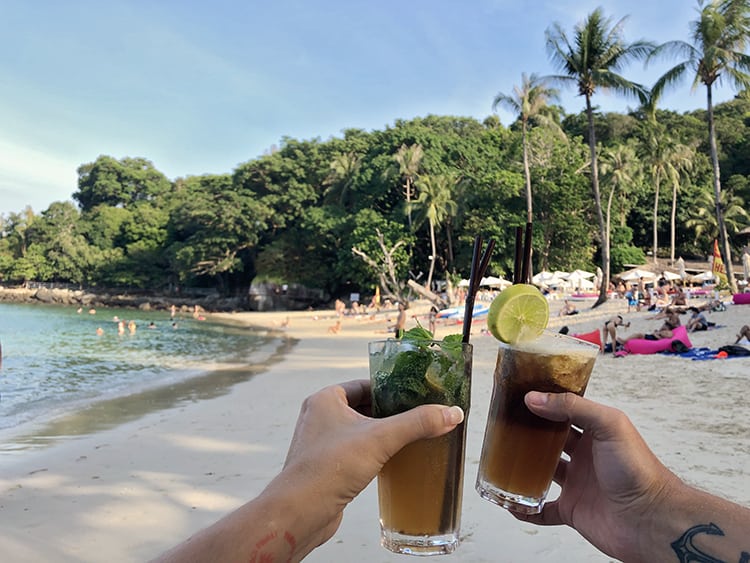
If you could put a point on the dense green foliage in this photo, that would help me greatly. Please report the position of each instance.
(294, 215)
(602, 188)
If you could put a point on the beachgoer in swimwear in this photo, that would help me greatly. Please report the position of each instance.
(568, 309)
(610, 331)
(432, 319)
(400, 325)
(664, 331)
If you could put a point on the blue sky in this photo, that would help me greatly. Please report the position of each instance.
(199, 87)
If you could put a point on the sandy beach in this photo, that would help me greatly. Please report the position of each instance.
(129, 492)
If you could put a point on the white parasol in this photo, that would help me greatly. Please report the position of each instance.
(671, 276)
(492, 281)
(637, 273)
(681, 268)
(703, 277)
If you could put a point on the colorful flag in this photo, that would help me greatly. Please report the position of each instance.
(717, 266)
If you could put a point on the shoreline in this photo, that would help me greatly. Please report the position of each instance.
(130, 492)
(107, 408)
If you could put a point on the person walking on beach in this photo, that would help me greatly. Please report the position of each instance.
(432, 319)
(400, 325)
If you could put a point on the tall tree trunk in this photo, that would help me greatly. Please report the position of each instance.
(449, 237)
(723, 238)
(407, 186)
(673, 224)
(598, 203)
(609, 212)
(657, 181)
(434, 256)
(527, 174)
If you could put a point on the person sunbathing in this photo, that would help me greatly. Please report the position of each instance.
(568, 309)
(664, 331)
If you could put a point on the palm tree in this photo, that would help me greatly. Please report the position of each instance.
(409, 161)
(719, 39)
(592, 60)
(682, 161)
(344, 169)
(620, 171)
(529, 102)
(665, 160)
(435, 203)
(703, 221)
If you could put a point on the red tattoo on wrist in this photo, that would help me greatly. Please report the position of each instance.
(260, 556)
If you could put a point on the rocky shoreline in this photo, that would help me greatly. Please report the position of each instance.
(144, 302)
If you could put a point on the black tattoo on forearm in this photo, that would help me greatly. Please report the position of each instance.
(688, 553)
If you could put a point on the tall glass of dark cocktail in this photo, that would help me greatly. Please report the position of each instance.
(521, 450)
(420, 488)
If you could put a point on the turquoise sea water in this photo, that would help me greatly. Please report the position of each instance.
(53, 361)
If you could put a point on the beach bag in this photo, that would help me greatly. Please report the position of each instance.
(735, 350)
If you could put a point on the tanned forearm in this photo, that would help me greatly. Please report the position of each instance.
(696, 527)
(270, 528)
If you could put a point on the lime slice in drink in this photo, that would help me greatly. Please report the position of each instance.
(520, 313)
(434, 377)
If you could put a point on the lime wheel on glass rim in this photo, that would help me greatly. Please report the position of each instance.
(519, 314)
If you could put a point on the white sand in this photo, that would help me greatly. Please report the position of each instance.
(128, 493)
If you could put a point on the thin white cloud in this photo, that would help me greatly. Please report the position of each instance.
(29, 176)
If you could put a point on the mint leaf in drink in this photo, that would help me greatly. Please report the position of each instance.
(404, 387)
(417, 334)
(417, 370)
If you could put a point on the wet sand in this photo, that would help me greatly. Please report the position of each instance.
(128, 492)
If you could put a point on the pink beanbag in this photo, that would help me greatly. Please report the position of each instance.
(595, 337)
(741, 298)
(643, 346)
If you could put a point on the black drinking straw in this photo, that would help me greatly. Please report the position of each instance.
(519, 256)
(478, 268)
(526, 254)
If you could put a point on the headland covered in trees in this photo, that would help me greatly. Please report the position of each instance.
(378, 208)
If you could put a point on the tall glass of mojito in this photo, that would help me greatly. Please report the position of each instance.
(521, 450)
(420, 488)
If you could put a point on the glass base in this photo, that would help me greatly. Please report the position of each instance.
(418, 545)
(511, 501)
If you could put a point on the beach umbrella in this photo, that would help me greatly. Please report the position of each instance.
(681, 268)
(576, 280)
(463, 283)
(671, 276)
(581, 274)
(635, 274)
(708, 275)
(492, 281)
(580, 283)
(543, 277)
